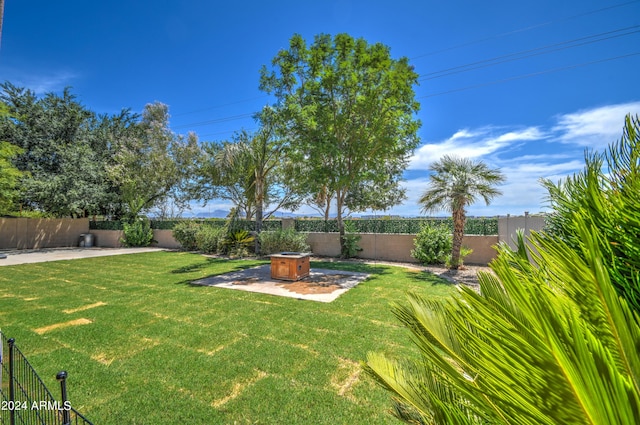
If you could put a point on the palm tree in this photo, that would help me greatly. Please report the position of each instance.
(456, 183)
(254, 162)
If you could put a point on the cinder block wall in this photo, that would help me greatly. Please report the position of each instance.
(397, 247)
(37, 233)
(107, 238)
(111, 239)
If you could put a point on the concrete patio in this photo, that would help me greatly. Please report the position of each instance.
(322, 285)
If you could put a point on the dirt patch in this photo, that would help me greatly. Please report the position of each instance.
(324, 284)
(76, 322)
(86, 307)
(238, 388)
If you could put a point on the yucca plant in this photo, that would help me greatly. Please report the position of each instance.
(548, 340)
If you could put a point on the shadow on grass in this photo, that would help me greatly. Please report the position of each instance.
(218, 266)
(428, 278)
(198, 266)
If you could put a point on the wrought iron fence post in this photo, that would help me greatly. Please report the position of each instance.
(66, 414)
(12, 395)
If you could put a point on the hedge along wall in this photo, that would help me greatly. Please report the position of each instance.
(411, 226)
(169, 224)
(474, 226)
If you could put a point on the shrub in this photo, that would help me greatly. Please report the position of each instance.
(351, 245)
(433, 244)
(283, 240)
(185, 233)
(209, 239)
(237, 243)
(137, 233)
(351, 240)
(464, 252)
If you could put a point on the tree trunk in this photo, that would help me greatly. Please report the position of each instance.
(459, 219)
(343, 247)
(259, 214)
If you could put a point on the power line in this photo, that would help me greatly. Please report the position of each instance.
(490, 83)
(221, 106)
(529, 53)
(468, 67)
(504, 34)
(216, 120)
(533, 74)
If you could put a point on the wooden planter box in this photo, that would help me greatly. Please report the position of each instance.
(290, 266)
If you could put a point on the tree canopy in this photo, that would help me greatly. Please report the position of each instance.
(76, 163)
(348, 109)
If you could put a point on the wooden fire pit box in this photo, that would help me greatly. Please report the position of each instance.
(290, 265)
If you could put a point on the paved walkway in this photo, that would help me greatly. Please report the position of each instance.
(25, 256)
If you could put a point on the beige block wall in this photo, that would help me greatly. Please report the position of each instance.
(324, 244)
(24, 233)
(10, 233)
(483, 248)
(107, 238)
(37, 233)
(165, 239)
(111, 239)
(397, 247)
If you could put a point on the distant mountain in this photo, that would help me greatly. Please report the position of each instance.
(213, 214)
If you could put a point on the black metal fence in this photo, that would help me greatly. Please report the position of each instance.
(23, 396)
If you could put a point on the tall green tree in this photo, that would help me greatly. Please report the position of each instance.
(55, 133)
(9, 174)
(150, 163)
(454, 184)
(609, 190)
(348, 109)
(9, 177)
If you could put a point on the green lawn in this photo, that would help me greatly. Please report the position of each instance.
(154, 349)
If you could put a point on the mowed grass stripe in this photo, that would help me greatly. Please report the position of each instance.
(159, 350)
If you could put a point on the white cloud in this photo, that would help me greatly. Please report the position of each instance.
(472, 144)
(594, 128)
(40, 83)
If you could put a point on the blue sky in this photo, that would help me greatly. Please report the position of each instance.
(525, 86)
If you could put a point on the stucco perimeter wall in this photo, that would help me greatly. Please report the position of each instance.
(37, 233)
(397, 247)
(107, 238)
(111, 239)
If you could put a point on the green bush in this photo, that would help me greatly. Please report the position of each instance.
(433, 244)
(464, 252)
(185, 233)
(283, 240)
(237, 244)
(137, 233)
(209, 239)
(351, 240)
(351, 245)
